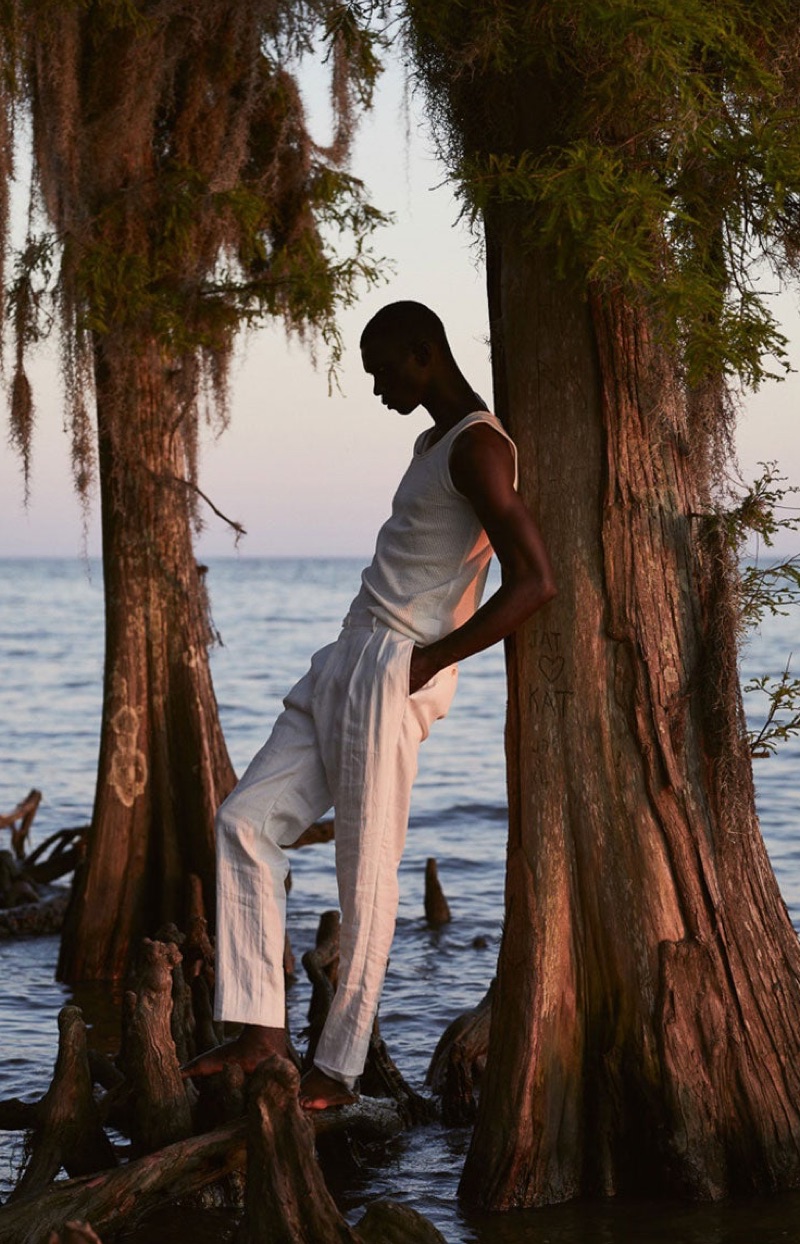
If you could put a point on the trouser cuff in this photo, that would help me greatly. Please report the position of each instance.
(349, 1082)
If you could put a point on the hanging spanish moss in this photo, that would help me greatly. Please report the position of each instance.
(175, 168)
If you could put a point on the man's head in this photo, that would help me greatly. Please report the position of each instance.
(404, 348)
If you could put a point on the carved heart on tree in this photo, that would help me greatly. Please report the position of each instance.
(551, 667)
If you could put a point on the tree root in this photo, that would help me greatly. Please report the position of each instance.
(167, 1010)
(167, 1019)
(67, 1131)
(286, 1200)
(24, 812)
(44, 916)
(459, 1060)
(24, 909)
(128, 1192)
(161, 1109)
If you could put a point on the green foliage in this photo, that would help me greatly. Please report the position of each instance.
(654, 146)
(782, 721)
(762, 512)
(28, 305)
(768, 590)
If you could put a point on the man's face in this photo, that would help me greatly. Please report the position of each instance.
(399, 373)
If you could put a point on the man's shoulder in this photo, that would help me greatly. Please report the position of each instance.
(482, 437)
(483, 455)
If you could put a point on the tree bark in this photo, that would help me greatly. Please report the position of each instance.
(163, 767)
(646, 1025)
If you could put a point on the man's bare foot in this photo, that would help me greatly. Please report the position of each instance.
(250, 1048)
(321, 1092)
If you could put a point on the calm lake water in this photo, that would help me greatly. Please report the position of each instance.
(271, 614)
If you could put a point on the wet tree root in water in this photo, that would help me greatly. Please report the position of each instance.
(68, 1132)
(458, 1062)
(125, 1194)
(168, 1007)
(24, 813)
(39, 918)
(286, 1199)
(25, 909)
(56, 856)
(437, 908)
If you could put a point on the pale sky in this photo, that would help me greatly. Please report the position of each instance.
(311, 474)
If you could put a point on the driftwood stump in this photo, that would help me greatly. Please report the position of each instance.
(437, 910)
(160, 1107)
(198, 951)
(383, 1078)
(206, 1032)
(320, 831)
(182, 1022)
(220, 1098)
(129, 1193)
(24, 814)
(67, 1130)
(25, 908)
(286, 1200)
(15, 889)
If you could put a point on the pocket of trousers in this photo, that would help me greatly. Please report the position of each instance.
(426, 686)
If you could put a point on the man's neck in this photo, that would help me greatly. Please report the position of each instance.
(452, 402)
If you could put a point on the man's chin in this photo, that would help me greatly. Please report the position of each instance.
(401, 408)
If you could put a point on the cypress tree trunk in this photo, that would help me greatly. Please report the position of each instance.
(646, 1025)
(163, 766)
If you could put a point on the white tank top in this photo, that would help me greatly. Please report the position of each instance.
(432, 555)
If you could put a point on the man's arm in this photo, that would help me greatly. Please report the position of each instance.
(482, 468)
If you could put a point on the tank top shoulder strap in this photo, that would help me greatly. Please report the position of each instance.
(483, 416)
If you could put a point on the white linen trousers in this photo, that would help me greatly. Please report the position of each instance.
(348, 738)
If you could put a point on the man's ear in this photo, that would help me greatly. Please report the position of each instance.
(422, 352)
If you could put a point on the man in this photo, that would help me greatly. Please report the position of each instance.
(352, 726)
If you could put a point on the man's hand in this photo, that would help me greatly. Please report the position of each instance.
(422, 669)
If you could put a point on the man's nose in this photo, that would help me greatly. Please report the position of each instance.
(376, 390)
